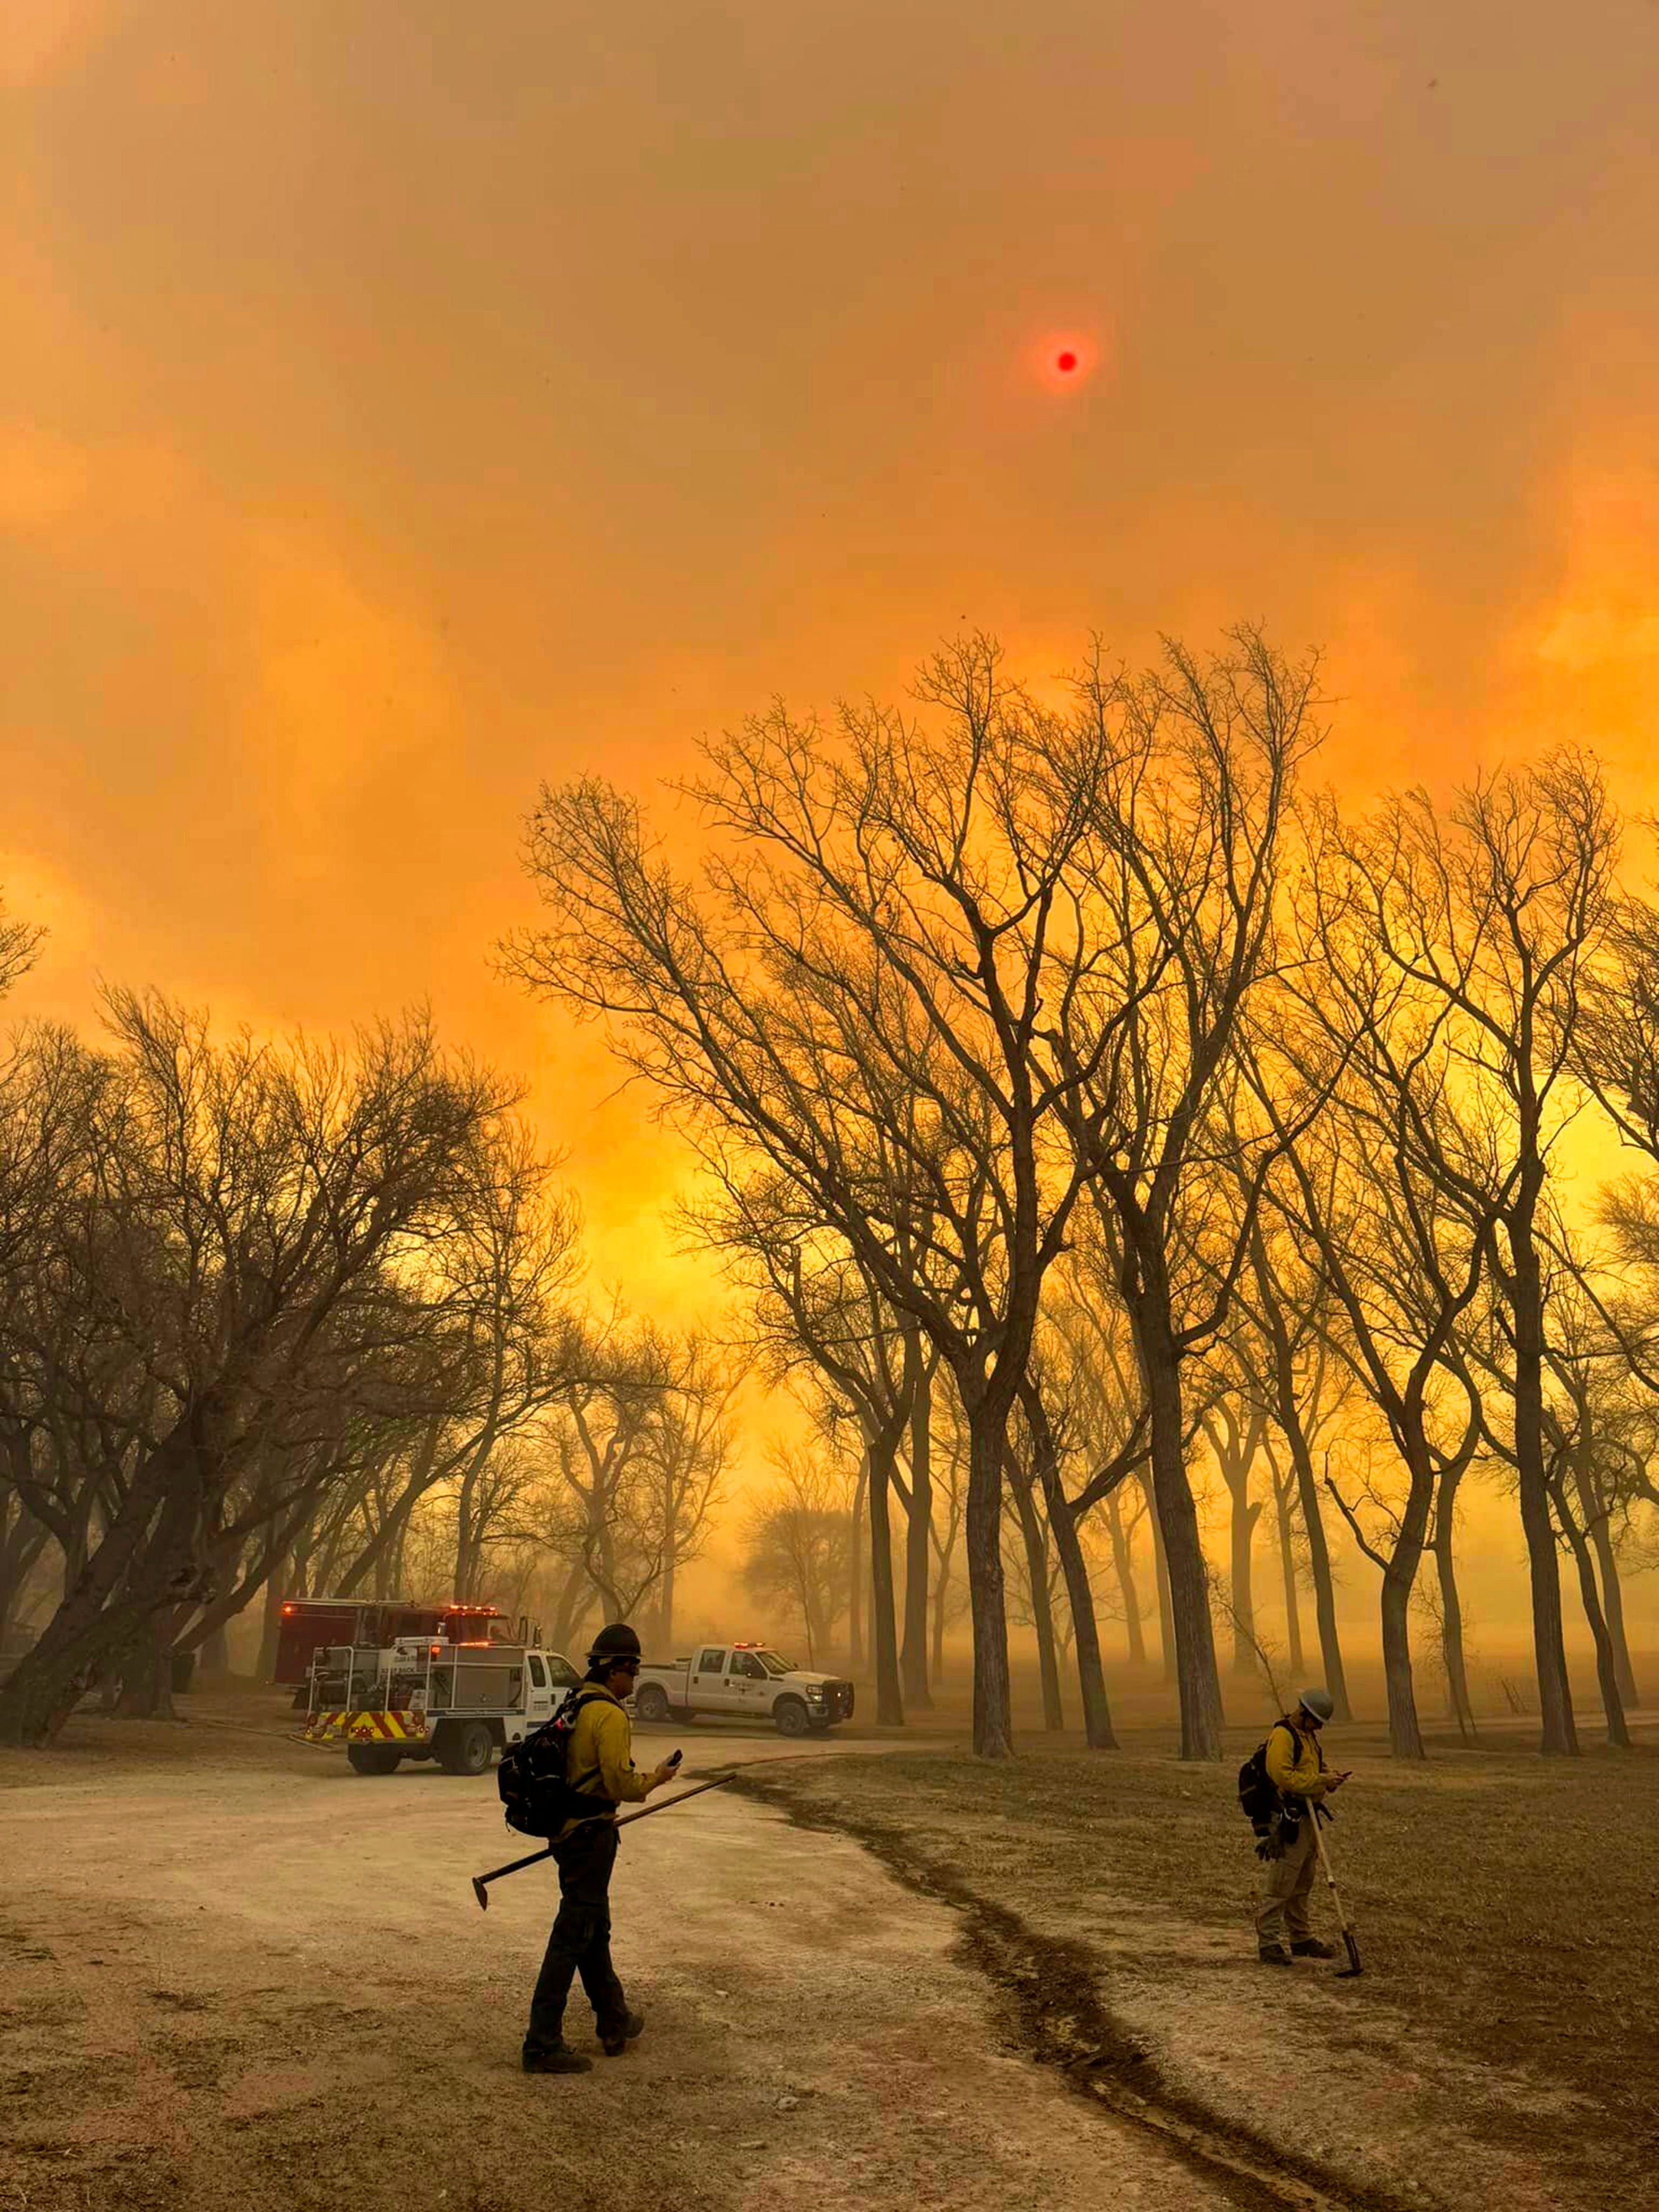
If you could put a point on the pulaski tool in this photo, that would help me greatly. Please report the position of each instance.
(480, 1882)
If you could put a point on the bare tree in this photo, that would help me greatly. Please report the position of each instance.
(1287, 1306)
(863, 976)
(238, 1270)
(798, 1547)
(689, 1446)
(1491, 918)
(1236, 1427)
(1188, 825)
(815, 1309)
(1360, 1192)
(640, 1442)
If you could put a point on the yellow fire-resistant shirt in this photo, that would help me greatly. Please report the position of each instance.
(600, 1762)
(1294, 1765)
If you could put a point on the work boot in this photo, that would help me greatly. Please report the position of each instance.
(1274, 1955)
(1309, 1947)
(560, 2060)
(616, 2036)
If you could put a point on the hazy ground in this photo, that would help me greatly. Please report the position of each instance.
(235, 1975)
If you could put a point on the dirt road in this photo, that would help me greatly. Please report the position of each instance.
(245, 1977)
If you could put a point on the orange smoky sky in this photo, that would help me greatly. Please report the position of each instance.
(402, 404)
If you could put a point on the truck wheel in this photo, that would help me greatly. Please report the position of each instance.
(464, 1749)
(373, 1758)
(651, 1703)
(790, 1715)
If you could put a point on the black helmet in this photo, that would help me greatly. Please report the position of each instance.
(618, 1641)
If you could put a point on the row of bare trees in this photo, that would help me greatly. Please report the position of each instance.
(1072, 1087)
(280, 1318)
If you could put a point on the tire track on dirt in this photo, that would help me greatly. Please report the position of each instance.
(1049, 1989)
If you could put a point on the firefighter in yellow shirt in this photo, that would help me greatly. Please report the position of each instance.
(1296, 1767)
(599, 1765)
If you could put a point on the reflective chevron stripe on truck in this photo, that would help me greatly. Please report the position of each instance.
(367, 1728)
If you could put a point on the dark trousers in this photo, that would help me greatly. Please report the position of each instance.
(580, 1941)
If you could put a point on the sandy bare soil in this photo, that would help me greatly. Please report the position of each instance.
(234, 1975)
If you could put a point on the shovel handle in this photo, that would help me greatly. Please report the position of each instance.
(1349, 1945)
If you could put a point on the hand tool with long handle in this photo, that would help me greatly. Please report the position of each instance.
(480, 1882)
(1353, 1966)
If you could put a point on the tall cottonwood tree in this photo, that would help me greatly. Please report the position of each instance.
(888, 918)
(1188, 825)
(1490, 915)
(1360, 1192)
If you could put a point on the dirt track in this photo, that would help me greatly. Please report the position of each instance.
(245, 1977)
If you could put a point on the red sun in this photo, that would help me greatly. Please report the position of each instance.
(1065, 361)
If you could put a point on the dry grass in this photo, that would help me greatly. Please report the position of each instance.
(1506, 1906)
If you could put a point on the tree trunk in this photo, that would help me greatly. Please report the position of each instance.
(1399, 1574)
(919, 1533)
(1560, 1737)
(666, 1606)
(568, 1610)
(1235, 1449)
(1080, 1594)
(988, 1431)
(1607, 1668)
(270, 1627)
(1405, 1734)
(1283, 1493)
(1318, 1562)
(1123, 1566)
(139, 1564)
(1242, 1592)
(855, 1593)
(1197, 1681)
(1613, 1594)
(1043, 1620)
(146, 1692)
(1166, 1643)
(25, 1541)
(884, 1636)
(1451, 1607)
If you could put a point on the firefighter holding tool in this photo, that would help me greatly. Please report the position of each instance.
(600, 1770)
(1294, 1778)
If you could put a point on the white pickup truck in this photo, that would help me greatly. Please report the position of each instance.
(747, 1681)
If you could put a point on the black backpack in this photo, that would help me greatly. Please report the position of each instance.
(533, 1776)
(1257, 1797)
(1258, 1800)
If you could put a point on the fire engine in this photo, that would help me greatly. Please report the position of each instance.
(306, 1624)
(456, 1699)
